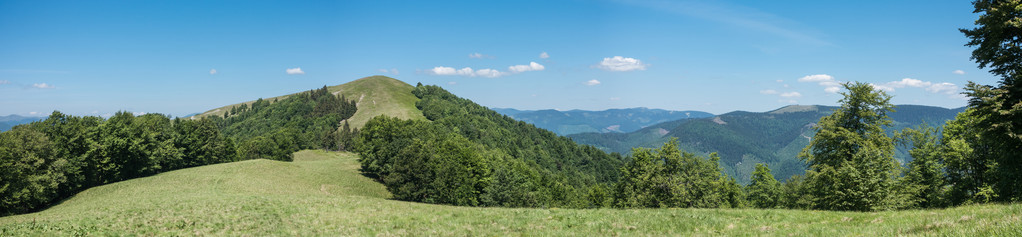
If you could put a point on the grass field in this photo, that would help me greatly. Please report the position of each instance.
(376, 95)
(321, 193)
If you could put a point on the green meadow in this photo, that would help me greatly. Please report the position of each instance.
(323, 193)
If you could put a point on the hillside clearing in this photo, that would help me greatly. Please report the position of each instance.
(322, 193)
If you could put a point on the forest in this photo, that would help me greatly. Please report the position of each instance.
(46, 161)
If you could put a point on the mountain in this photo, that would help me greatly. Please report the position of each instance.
(9, 121)
(375, 95)
(743, 139)
(606, 121)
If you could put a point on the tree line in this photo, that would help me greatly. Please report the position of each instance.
(46, 161)
(466, 154)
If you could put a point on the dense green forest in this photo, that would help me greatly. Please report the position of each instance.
(496, 160)
(46, 161)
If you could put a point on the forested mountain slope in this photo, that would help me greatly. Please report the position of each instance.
(466, 154)
(743, 139)
(605, 121)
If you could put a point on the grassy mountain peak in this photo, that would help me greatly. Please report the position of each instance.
(374, 95)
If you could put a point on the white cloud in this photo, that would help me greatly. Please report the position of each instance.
(943, 87)
(779, 81)
(452, 83)
(139, 113)
(4, 82)
(882, 87)
(592, 82)
(768, 92)
(959, 72)
(533, 66)
(42, 86)
(933, 87)
(479, 56)
(908, 82)
(295, 71)
(816, 78)
(212, 71)
(486, 72)
(826, 81)
(544, 55)
(621, 64)
(33, 113)
(443, 71)
(792, 94)
(615, 98)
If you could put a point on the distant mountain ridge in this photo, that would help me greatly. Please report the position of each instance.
(605, 121)
(743, 139)
(9, 121)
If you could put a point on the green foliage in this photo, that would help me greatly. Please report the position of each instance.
(795, 194)
(969, 164)
(670, 177)
(764, 191)
(513, 184)
(202, 142)
(524, 166)
(137, 147)
(997, 39)
(851, 163)
(305, 120)
(925, 180)
(446, 169)
(29, 176)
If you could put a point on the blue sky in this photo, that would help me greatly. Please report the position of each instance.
(182, 57)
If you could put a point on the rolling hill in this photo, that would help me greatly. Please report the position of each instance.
(322, 193)
(375, 95)
(745, 138)
(605, 121)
